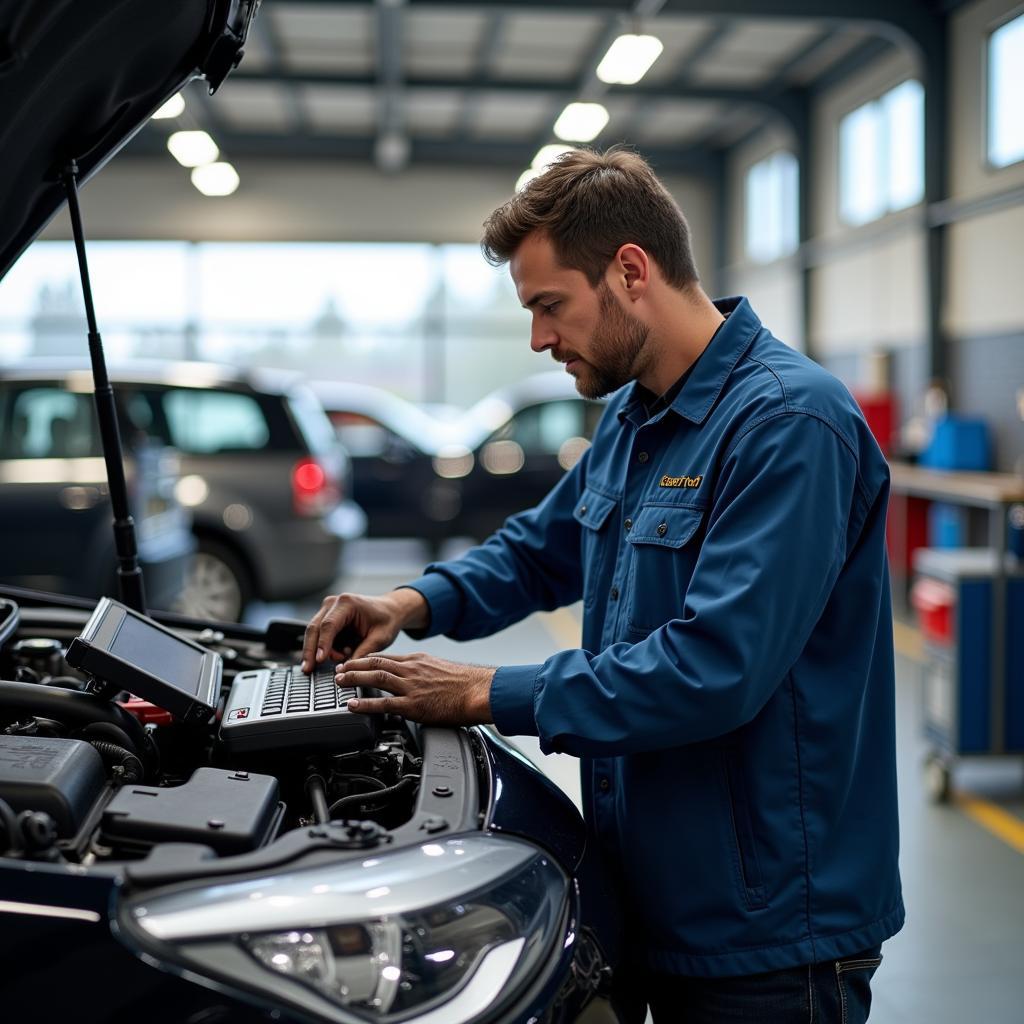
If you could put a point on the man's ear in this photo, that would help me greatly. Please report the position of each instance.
(631, 270)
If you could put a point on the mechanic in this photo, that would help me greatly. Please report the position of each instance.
(733, 701)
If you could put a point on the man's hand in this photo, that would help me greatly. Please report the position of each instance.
(353, 625)
(426, 689)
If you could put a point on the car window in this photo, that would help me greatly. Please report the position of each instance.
(363, 436)
(312, 421)
(203, 422)
(543, 429)
(47, 423)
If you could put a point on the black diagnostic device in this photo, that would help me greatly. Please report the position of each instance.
(266, 709)
(132, 652)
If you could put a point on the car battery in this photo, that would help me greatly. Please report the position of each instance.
(953, 597)
(231, 812)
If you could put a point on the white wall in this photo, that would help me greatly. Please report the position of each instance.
(773, 288)
(872, 295)
(145, 199)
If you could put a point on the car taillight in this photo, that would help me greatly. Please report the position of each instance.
(314, 490)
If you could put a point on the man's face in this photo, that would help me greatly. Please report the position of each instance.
(586, 328)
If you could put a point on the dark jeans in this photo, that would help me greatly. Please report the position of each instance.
(831, 992)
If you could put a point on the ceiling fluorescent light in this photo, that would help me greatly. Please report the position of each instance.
(548, 155)
(191, 149)
(628, 59)
(219, 179)
(581, 122)
(172, 108)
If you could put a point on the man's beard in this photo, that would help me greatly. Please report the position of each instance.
(617, 350)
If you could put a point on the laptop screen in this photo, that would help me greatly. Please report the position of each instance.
(158, 653)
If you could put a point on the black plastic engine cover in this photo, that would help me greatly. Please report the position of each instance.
(231, 812)
(59, 776)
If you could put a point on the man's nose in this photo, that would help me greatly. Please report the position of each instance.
(542, 337)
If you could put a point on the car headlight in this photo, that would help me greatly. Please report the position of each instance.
(439, 933)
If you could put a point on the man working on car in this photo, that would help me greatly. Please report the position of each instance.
(732, 703)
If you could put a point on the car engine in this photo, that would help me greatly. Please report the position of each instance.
(89, 778)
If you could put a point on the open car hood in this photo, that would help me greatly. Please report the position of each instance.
(78, 78)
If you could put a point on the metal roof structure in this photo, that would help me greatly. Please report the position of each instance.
(412, 82)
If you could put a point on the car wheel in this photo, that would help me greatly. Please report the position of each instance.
(217, 584)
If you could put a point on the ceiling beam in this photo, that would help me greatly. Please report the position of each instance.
(901, 16)
(267, 31)
(498, 153)
(487, 52)
(392, 150)
(779, 101)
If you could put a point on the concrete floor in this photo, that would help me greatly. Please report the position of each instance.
(960, 957)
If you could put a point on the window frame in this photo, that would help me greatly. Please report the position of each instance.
(784, 252)
(986, 91)
(877, 100)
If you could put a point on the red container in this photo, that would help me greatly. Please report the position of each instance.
(934, 602)
(881, 413)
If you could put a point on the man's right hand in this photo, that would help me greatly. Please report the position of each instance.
(353, 625)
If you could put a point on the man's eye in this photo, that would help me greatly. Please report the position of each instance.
(550, 308)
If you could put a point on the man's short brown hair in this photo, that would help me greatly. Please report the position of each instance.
(589, 204)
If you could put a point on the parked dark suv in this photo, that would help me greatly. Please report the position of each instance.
(55, 512)
(261, 472)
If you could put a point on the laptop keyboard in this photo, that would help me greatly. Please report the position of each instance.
(290, 691)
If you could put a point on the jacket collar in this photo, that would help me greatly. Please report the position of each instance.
(711, 370)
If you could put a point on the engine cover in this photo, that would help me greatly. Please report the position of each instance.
(59, 776)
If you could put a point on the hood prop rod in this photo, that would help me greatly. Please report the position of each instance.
(129, 574)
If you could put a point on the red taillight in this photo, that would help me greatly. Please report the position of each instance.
(313, 488)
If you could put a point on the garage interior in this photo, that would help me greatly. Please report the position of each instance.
(855, 168)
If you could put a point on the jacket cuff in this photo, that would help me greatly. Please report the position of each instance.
(512, 690)
(444, 600)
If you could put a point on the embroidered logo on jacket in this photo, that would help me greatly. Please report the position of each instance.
(681, 481)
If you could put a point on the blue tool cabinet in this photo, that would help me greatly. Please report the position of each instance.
(972, 702)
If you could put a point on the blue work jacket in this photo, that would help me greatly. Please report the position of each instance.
(732, 702)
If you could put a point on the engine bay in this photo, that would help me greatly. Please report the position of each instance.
(94, 775)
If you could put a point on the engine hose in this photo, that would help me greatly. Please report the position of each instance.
(356, 799)
(69, 707)
(317, 793)
(115, 757)
(109, 733)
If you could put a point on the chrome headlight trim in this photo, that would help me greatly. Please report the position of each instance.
(391, 883)
(236, 934)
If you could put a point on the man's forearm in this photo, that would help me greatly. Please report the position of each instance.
(411, 608)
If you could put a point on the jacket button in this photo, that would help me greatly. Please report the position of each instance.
(642, 457)
(604, 784)
(662, 529)
(615, 593)
(629, 525)
(583, 510)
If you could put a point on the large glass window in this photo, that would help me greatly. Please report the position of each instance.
(771, 217)
(881, 155)
(1006, 93)
(432, 323)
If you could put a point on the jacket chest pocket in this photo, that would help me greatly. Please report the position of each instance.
(592, 512)
(665, 542)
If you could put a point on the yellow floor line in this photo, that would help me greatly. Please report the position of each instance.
(1003, 825)
(563, 627)
(907, 641)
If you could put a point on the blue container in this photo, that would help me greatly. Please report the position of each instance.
(947, 525)
(959, 443)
